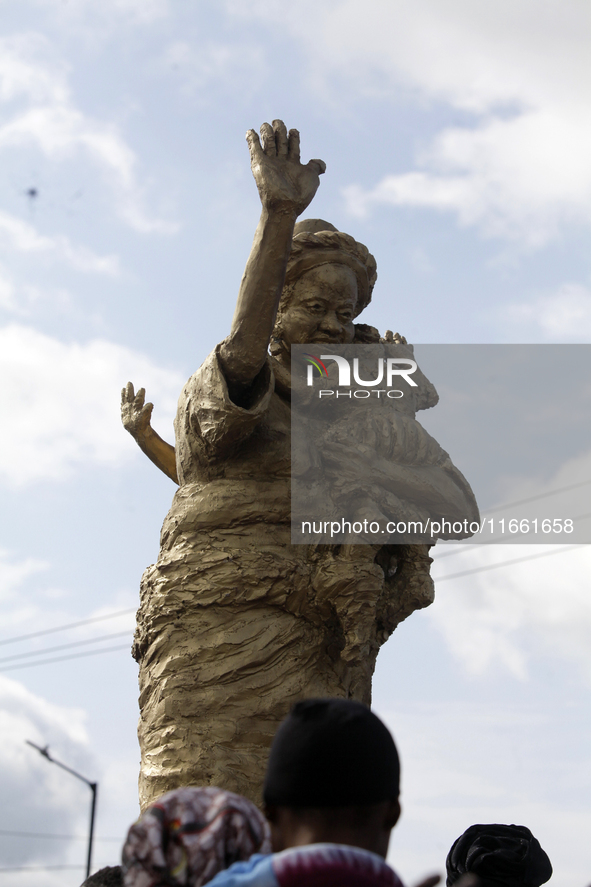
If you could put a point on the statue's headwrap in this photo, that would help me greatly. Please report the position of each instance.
(316, 242)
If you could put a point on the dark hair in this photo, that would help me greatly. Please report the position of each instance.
(110, 876)
(331, 753)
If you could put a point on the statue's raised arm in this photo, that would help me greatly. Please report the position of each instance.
(286, 187)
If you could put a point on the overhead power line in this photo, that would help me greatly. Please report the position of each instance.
(37, 634)
(101, 637)
(470, 545)
(57, 628)
(45, 835)
(583, 483)
(40, 868)
(64, 658)
(517, 560)
(438, 579)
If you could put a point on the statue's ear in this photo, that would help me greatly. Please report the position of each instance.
(366, 335)
(276, 344)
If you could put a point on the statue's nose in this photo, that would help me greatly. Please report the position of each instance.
(330, 322)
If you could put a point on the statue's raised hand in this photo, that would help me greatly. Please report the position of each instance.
(135, 413)
(284, 183)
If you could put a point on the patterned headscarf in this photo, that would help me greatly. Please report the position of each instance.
(189, 835)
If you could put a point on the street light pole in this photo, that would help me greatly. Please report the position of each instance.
(93, 788)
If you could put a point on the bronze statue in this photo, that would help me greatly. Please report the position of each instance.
(236, 623)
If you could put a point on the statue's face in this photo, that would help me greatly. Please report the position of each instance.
(322, 307)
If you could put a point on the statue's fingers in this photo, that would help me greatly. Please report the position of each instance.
(140, 397)
(293, 144)
(280, 131)
(254, 144)
(268, 140)
(127, 393)
(318, 166)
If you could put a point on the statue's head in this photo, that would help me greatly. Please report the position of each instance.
(329, 281)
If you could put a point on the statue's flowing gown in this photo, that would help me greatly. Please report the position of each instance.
(236, 623)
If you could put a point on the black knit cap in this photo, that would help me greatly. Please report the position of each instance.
(500, 856)
(331, 753)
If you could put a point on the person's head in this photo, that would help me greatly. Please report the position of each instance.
(329, 281)
(110, 876)
(189, 835)
(333, 776)
(500, 856)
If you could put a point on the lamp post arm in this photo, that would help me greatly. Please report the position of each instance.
(93, 787)
(45, 753)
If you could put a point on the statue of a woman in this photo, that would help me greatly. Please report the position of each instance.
(235, 623)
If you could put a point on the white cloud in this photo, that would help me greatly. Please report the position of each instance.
(13, 574)
(59, 403)
(509, 617)
(18, 608)
(38, 795)
(49, 120)
(27, 69)
(563, 316)
(23, 237)
(506, 617)
(518, 178)
(519, 168)
(22, 300)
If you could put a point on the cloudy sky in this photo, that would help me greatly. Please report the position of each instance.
(457, 139)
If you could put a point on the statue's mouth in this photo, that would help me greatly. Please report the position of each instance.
(329, 340)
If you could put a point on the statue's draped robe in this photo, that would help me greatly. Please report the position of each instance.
(235, 623)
